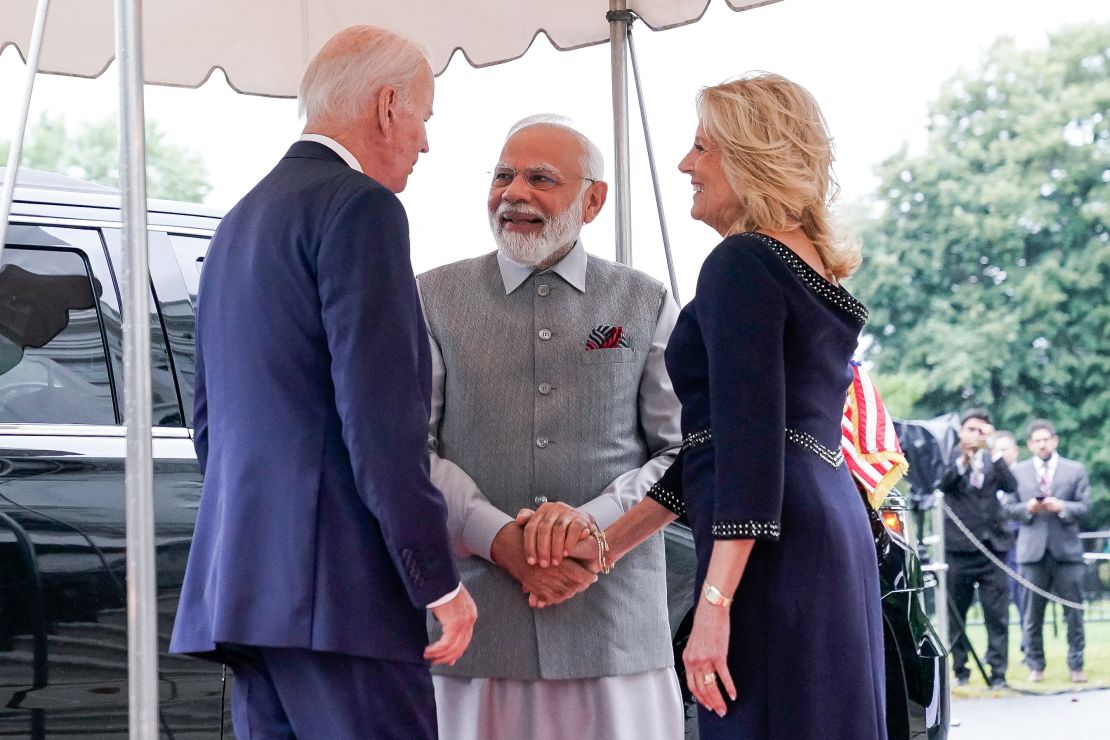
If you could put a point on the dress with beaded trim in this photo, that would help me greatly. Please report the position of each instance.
(759, 360)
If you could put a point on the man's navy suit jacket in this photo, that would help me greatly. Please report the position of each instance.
(318, 526)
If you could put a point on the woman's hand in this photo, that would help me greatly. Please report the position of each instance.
(585, 552)
(706, 658)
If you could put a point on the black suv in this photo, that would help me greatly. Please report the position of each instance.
(63, 642)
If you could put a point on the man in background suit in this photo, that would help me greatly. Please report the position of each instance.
(971, 485)
(1053, 495)
(321, 541)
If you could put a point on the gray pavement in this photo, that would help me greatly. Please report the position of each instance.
(1077, 716)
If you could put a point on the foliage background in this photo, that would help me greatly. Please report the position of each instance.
(988, 255)
(91, 152)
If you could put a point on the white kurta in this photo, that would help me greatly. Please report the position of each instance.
(641, 706)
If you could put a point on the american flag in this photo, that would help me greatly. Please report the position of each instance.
(867, 435)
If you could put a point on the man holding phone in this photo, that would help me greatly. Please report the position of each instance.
(1053, 494)
(971, 485)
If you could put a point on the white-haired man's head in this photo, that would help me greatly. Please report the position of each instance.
(353, 66)
(371, 90)
(547, 184)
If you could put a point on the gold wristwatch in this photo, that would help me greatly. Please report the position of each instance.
(715, 597)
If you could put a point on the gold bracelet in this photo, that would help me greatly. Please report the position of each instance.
(602, 548)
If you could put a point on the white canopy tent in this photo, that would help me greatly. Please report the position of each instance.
(262, 47)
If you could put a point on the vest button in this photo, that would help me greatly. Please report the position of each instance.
(544, 334)
(540, 500)
(543, 289)
(544, 388)
(542, 442)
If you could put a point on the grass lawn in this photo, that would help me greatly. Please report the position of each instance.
(1056, 673)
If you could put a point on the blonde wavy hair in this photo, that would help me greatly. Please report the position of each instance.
(776, 153)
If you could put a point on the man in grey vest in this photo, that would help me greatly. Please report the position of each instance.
(549, 386)
(1053, 494)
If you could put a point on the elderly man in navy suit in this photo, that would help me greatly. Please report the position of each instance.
(320, 540)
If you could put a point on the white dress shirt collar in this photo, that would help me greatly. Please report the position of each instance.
(571, 268)
(336, 147)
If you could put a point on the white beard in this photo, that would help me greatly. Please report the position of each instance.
(533, 250)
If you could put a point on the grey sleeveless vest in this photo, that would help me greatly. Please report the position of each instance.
(531, 415)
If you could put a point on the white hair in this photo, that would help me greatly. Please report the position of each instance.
(593, 164)
(353, 66)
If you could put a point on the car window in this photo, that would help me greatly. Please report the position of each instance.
(53, 364)
(165, 405)
(174, 270)
(190, 251)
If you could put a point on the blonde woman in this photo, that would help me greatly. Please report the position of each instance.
(787, 638)
(788, 621)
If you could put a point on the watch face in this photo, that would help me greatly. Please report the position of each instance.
(715, 597)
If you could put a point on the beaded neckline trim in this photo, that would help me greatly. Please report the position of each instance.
(833, 294)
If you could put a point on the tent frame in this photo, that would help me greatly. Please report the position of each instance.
(142, 589)
(142, 625)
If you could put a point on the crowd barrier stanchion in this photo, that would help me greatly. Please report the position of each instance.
(940, 620)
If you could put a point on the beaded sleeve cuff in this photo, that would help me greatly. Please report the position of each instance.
(668, 499)
(748, 530)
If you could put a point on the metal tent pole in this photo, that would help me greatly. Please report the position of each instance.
(651, 164)
(142, 621)
(619, 18)
(15, 150)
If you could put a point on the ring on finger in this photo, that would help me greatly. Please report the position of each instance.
(709, 678)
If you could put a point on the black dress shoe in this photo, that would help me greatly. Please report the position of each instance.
(998, 682)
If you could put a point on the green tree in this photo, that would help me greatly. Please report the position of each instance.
(988, 255)
(173, 171)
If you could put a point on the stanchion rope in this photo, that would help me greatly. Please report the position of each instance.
(1005, 568)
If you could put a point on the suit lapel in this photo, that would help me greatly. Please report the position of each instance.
(1027, 480)
(1061, 481)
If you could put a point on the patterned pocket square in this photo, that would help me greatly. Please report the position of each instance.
(606, 337)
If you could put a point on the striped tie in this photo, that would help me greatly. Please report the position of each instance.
(1043, 480)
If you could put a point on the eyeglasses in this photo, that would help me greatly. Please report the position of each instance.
(538, 178)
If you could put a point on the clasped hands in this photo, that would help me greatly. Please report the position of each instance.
(550, 551)
(1049, 503)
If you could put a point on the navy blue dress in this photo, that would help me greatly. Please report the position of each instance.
(759, 360)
